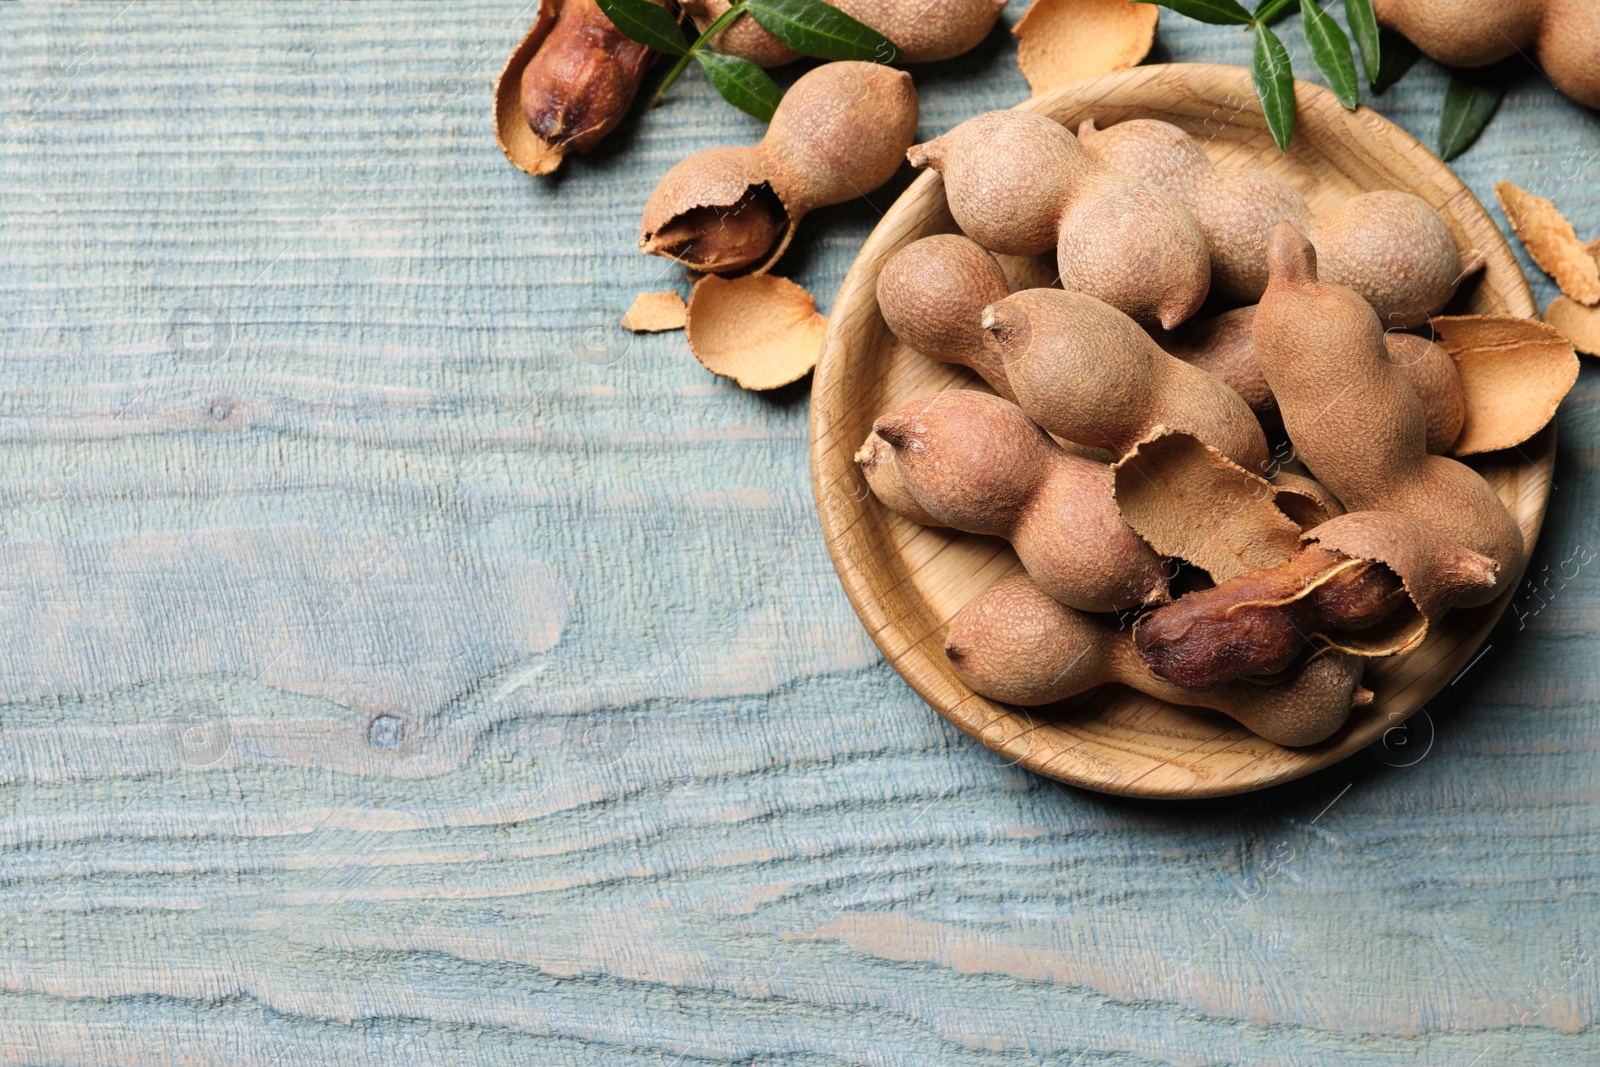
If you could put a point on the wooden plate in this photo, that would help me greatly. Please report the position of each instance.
(906, 581)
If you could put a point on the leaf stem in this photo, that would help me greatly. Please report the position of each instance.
(1269, 11)
(717, 26)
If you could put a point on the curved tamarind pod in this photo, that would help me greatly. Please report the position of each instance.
(1391, 247)
(1367, 583)
(1020, 183)
(975, 462)
(1475, 33)
(1088, 373)
(921, 31)
(1224, 346)
(1015, 644)
(1352, 416)
(839, 133)
(932, 294)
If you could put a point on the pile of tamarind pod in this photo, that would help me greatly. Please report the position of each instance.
(1564, 34)
(1391, 247)
(1351, 551)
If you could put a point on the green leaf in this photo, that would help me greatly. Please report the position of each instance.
(1469, 104)
(1274, 83)
(741, 83)
(1216, 12)
(1399, 55)
(1364, 28)
(816, 29)
(1272, 11)
(1330, 50)
(647, 23)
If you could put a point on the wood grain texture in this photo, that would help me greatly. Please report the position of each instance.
(907, 588)
(577, 753)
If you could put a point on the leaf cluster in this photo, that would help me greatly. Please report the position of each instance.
(811, 27)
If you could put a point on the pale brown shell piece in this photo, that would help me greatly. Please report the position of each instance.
(761, 331)
(656, 313)
(1190, 501)
(526, 150)
(1552, 242)
(1437, 574)
(1580, 324)
(1514, 374)
(1061, 41)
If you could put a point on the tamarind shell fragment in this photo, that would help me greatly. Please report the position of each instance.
(1368, 583)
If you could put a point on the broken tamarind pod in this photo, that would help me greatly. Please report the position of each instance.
(1014, 644)
(839, 133)
(1020, 183)
(1367, 583)
(1189, 501)
(1475, 33)
(932, 294)
(1086, 372)
(1354, 419)
(579, 84)
(1391, 247)
(975, 462)
(1305, 500)
(1223, 346)
(921, 31)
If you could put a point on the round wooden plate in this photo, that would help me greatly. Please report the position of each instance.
(906, 581)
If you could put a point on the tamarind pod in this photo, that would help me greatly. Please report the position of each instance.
(974, 462)
(1020, 183)
(1368, 583)
(1223, 346)
(1353, 418)
(582, 80)
(1088, 373)
(1391, 247)
(1015, 644)
(922, 31)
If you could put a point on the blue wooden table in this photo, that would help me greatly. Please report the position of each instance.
(401, 663)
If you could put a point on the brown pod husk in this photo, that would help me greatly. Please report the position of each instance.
(1190, 501)
(839, 133)
(921, 31)
(932, 294)
(1514, 374)
(1436, 573)
(974, 462)
(656, 313)
(1306, 501)
(1062, 41)
(1579, 324)
(526, 150)
(1014, 644)
(1551, 242)
(762, 331)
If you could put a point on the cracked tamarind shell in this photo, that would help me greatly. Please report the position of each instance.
(922, 30)
(839, 133)
(1014, 644)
